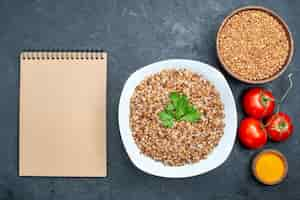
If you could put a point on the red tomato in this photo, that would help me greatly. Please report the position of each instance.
(279, 127)
(252, 133)
(258, 103)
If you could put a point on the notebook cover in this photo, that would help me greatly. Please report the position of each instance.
(62, 124)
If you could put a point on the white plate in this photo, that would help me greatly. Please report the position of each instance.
(220, 152)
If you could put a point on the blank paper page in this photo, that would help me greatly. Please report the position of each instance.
(62, 128)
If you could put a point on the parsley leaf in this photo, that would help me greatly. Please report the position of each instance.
(170, 107)
(175, 98)
(192, 117)
(179, 109)
(165, 116)
(168, 123)
(166, 119)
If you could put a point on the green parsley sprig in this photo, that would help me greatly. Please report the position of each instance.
(179, 109)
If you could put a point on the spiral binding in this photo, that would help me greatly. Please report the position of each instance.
(62, 55)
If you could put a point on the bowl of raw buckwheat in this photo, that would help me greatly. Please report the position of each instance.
(254, 45)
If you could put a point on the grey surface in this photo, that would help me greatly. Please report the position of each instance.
(135, 33)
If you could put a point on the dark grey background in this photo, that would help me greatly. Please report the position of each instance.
(135, 33)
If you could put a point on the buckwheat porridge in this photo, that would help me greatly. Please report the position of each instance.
(176, 117)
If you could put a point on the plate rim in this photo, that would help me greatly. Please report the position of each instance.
(168, 66)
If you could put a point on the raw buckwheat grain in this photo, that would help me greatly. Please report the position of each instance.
(254, 44)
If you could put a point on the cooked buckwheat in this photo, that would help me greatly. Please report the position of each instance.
(185, 142)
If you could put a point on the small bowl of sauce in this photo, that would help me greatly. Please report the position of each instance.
(270, 167)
